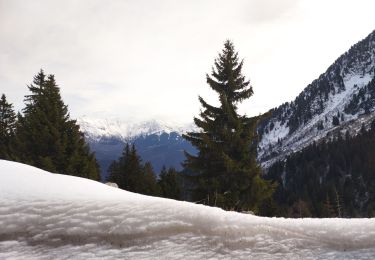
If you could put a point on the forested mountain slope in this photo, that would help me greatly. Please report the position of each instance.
(341, 98)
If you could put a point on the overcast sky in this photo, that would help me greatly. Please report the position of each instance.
(148, 59)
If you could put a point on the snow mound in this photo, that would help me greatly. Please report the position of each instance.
(52, 216)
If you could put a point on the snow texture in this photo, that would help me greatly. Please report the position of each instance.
(52, 216)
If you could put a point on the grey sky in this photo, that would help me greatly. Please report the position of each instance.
(147, 59)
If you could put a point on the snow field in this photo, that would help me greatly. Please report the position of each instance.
(52, 216)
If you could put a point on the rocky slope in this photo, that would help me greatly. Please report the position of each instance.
(341, 99)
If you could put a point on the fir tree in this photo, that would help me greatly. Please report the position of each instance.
(169, 184)
(115, 175)
(7, 129)
(299, 209)
(130, 174)
(227, 174)
(328, 210)
(335, 121)
(117, 169)
(150, 183)
(338, 204)
(133, 174)
(48, 138)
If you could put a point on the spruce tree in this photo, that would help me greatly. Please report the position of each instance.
(226, 172)
(169, 184)
(48, 138)
(7, 129)
(150, 185)
(133, 171)
(130, 174)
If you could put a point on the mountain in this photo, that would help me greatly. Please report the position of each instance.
(319, 147)
(341, 99)
(158, 142)
(55, 216)
(328, 179)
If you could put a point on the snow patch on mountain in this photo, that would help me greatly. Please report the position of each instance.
(278, 132)
(278, 139)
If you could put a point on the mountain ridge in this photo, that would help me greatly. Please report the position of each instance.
(340, 99)
(322, 105)
(157, 142)
(97, 128)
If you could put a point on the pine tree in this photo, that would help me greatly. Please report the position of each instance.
(169, 184)
(335, 121)
(130, 174)
(328, 210)
(133, 172)
(338, 204)
(226, 171)
(7, 129)
(299, 209)
(150, 184)
(118, 170)
(48, 138)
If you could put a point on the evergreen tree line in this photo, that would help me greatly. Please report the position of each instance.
(331, 179)
(44, 135)
(130, 174)
(224, 173)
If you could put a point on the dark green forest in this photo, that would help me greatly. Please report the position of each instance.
(44, 135)
(333, 178)
(130, 174)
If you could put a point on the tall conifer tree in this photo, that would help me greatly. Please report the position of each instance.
(169, 183)
(7, 129)
(130, 174)
(226, 171)
(150, 186)
(48, 138)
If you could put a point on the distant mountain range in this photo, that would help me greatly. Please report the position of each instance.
(341, 99)
(157, 142)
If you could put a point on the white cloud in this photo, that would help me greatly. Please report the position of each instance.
(149, 58)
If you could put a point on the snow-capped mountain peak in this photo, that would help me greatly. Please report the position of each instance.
(97, 128)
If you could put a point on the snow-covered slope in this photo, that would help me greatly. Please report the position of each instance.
(51, 216)
(340, 99)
